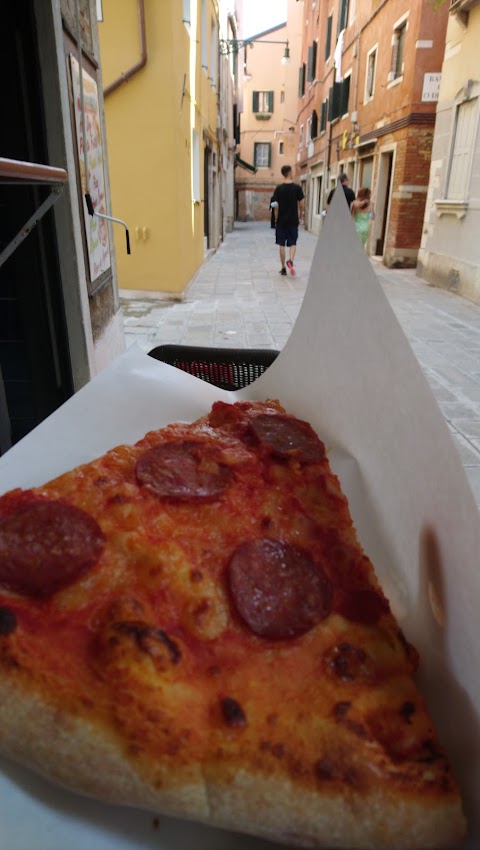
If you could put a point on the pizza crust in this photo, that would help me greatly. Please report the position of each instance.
(84, 759)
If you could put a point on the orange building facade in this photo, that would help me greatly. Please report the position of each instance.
(368, 82)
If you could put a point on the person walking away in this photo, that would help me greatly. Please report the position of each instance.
(288, 208)
(362, 213)
(343, 181)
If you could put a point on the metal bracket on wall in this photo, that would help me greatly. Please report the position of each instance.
(16, 172)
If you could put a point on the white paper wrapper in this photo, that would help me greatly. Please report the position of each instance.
(349, 370)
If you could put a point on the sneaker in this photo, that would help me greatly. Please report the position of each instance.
(290, 267)
(283, 271)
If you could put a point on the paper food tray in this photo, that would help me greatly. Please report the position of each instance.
(349, 370)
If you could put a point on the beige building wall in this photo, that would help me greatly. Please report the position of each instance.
(267, 138)
(450, 253)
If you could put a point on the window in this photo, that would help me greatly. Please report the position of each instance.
(262, 101)
(204, 35)
(312, 62)
(314, 125)
(301, 80)
(397, 53)
(280, 148)
(328, 40)
(339, 95)
(213, 52)
(370, 74)
(342, 15)
(462, 149)
(195, 167)
(282, 97)
(262, 154)
(186, 12)
(324, 116)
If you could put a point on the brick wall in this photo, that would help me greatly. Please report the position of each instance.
(409, 194)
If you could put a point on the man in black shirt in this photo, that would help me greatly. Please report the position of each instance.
(349, 193)
(288, 208)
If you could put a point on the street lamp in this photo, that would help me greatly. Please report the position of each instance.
(233, 45)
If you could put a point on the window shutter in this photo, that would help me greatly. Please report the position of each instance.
(344, 95)
(334, 101)
(328, 40)
(269, 161)
(301, 80)
(270, 101)
(312, 62)
(343, 15)
(314, 127)
(255, 101)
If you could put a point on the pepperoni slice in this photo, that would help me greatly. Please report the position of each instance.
(45, 546)
(183, 470)
(277, 589)
(288, 437)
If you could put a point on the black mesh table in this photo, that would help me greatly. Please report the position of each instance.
(228, 368)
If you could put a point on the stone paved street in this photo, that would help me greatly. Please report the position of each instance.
(239, 300)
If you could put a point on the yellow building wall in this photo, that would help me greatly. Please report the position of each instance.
(149, 136)
(461, 54)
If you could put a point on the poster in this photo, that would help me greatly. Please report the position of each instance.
(93, 180)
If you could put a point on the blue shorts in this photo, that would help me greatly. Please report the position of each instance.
(286, 236)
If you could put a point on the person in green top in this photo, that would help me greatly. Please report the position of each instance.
(362, 213)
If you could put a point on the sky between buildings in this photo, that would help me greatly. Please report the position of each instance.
(260, 15)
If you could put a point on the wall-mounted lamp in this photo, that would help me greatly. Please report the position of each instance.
(233, 45)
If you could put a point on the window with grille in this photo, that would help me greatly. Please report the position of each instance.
(324, 116)
(370, 75)
(262, 154)
(262, 101)
(398, 48)
(301, 79)
(462, 149)
(328, 39)
(342, 15)
(312, 62)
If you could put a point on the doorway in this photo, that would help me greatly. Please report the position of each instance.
(384, 182)
(35, 368)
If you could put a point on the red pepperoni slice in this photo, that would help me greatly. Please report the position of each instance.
(277, 589)
(183, 470)
(45, 546)
(288, 437)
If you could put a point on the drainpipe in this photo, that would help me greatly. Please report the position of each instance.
(125, 76)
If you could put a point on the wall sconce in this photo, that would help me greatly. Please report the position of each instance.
(233, 45)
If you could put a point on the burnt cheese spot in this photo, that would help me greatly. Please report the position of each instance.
(348, 662)
(149, 639)
(233, 712)
(8, 621)
(408, 710)
(340, 709)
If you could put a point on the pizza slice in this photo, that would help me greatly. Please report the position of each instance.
(189, 625)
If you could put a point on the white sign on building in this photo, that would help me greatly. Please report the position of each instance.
(431, 87)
